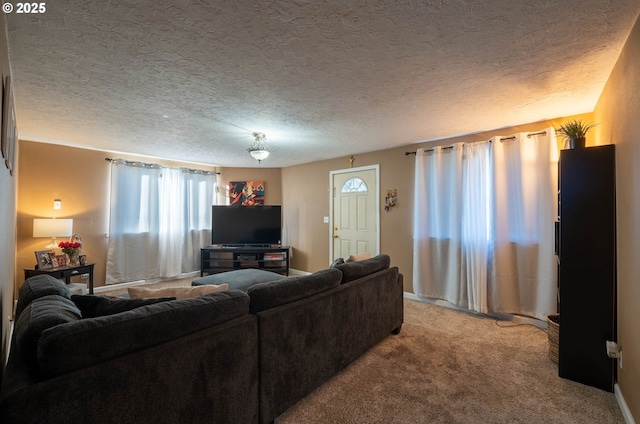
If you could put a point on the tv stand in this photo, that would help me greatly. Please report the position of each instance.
(216, 259)
(247, 245)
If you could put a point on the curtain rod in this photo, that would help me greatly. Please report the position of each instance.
(502, 139)
(158, 166)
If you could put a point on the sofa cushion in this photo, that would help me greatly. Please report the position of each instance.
(240, 279)
(96, 306)
(39, 315)
(80, 344)
(353, 270)
(269, 295)
(38, 286)
(177, 292)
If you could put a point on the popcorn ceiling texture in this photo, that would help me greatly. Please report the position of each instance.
(191, 80)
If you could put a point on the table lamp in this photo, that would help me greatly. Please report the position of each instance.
(52, 227)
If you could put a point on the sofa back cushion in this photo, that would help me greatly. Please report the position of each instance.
(39, 315)
(39, 286)
(352, 270)
(275, 293)
(96, 306)
(79, 344)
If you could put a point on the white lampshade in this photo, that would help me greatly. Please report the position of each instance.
(52, 227)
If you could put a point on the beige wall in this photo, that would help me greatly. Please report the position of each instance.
(618, 110)
(7, 225)
(306, 200)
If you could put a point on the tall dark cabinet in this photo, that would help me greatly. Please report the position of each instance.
(587, 265)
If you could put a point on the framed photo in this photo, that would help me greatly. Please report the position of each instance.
(43, 259)
(9, 130)
(62, 260)
(54, 259)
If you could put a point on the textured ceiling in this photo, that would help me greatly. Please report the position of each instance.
(192, 80)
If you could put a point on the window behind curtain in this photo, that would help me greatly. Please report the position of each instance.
(159, 220)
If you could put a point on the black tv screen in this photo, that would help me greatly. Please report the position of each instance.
(246, 225)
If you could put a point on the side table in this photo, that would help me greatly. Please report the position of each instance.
(65, 272)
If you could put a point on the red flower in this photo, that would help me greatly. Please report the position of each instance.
(69, 245)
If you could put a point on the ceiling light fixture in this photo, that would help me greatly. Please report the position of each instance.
(259, 149)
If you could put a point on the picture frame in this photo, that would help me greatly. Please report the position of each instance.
(9, 129)
(54, 259)
(62, 260)
(43, 259)
(82, 259)
(246, 193)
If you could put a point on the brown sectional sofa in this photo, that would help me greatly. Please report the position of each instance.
(230, 357)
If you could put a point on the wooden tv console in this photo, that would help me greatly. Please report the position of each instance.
(216, 259)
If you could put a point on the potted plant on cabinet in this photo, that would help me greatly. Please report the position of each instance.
(575, 132)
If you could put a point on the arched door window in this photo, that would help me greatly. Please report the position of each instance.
(354, 185)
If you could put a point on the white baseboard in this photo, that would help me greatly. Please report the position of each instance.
(116, 286)
(516, 319)
(626, 412)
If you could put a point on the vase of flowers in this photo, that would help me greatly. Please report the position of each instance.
(70, 248)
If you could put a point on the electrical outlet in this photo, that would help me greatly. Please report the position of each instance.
(84, 276)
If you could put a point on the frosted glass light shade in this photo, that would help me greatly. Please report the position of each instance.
(259, 154)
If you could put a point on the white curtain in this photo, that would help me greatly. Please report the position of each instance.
(133, 223)
(483, 224)
(450, 254)
(172, 228)
(199, 194)
(523, 270)
(160, 218)
(476, 224)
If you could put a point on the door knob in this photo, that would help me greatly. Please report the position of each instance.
(335, 236)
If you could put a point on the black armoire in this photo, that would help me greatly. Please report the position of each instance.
(587, 265)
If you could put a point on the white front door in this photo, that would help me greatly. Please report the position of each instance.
(355, 214)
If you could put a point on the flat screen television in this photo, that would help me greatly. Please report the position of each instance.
(246, 225)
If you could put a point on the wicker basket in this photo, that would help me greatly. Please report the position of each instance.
(553, 334)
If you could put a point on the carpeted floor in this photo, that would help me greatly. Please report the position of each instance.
(452, 367)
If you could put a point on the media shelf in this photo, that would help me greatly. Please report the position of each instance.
(216, 259)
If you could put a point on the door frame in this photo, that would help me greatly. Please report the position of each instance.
(375, 167)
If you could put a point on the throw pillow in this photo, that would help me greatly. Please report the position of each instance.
(177, 292)
(360, 257)
(98, 306)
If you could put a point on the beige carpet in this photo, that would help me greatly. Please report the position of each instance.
(452, 367)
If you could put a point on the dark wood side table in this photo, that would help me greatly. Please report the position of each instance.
(65, 272)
